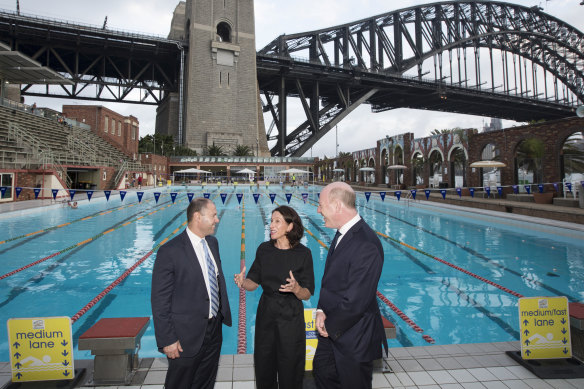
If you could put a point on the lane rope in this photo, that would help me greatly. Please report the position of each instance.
(241, 326)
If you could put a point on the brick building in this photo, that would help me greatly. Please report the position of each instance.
(121, 131)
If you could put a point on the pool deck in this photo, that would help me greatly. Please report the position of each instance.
(463, 366)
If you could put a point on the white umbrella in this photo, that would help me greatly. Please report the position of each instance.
(245, 171)
(338, 170)
(295, 171)
(367, 169)
(397, 167)
(192, 170)
(487, 164)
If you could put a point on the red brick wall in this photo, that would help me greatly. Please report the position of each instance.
(96, 116)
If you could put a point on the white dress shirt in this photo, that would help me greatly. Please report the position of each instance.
(346, 227)
(200, 251)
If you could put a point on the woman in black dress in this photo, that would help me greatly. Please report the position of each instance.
(283, 267)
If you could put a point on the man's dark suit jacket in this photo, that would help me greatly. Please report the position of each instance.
(180, 302)
(348, 294)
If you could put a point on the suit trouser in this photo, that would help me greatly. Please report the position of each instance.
(332, 370)
(200, 371)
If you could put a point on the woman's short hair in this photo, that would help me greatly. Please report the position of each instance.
(290, 216)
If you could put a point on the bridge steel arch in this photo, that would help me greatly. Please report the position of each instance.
(485, 58)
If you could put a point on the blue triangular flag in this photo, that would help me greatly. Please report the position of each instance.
(413, 192)
(72, 193)
(288, 197)
(272, 197)
(206, 195)
(318, 195)
(156, 196)
(527, 188)
(239, 197)
(382, 195)
(107, 194)
(471, 190)
(18, 189)
(398, 194)
(459, 191)
(140, 194)
(569, 185)
(500, 191)
(36, 192)
(443, 192)
(367, 195)
(488, 190)
(190, 196)
(540, 187)
(555, 184)
(256, 197)
(304, 197)
(427, 191)
(223, 197)
(173, 196)
(3, 190)
(122, 195)
(89, 194)
(55, 191)
(515, 189)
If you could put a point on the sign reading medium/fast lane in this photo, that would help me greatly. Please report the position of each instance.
(40, 349)
(545, 328)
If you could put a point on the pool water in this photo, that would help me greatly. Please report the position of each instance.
(449, 276)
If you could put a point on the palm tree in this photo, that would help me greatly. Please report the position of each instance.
(529, 157)
(214, 151)
(242, 151)
(573, 154)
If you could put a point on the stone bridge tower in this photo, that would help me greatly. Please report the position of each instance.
(221, 103)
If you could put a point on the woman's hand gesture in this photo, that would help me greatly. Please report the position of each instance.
(239, 278)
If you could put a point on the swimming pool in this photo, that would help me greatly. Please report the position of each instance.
(455, 276)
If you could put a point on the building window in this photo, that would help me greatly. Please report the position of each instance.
(119, 128)
(223, 32)
(7, 181)
(113, 126)
(104, 175)
(106, 124)
(133, 132)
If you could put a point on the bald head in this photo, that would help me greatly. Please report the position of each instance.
(337, 204)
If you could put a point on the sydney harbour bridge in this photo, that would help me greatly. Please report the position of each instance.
(474, 57)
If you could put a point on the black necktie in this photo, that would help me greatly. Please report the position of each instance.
(334, 243)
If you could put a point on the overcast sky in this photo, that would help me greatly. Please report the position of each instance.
(273, 18)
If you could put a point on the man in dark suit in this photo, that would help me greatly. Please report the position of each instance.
(189, 301)
(348, 320)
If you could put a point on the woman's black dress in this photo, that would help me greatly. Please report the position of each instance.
(280, 338)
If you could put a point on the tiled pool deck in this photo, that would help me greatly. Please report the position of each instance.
(465, 366)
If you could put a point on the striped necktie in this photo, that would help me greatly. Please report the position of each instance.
(213, 287)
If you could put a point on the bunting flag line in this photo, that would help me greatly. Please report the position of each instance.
(156, 196)
(55, 191)
(443, 193)
(190, 196)
(272, 197)
(398, 194)
(382, 195)
(173, 196)
(256, 197)
(140, 194)
(288, 197)
(427, 192)
(122, 195)
(223, 197)
(239, 197)
(107, 194)
(471, 190)
(89, 194)
(413, 192)
(459, 191)
(367, 195)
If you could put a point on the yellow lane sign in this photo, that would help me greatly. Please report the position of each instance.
(311, 340)
(545, 328)
(40, 349)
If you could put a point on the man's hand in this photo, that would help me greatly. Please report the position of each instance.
(320, 318)
(173, 351)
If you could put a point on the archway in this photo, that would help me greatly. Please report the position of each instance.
(418, 169)
(572, 158)
(529, 161)
(435, 161)
(490, 176)
(458, 168)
